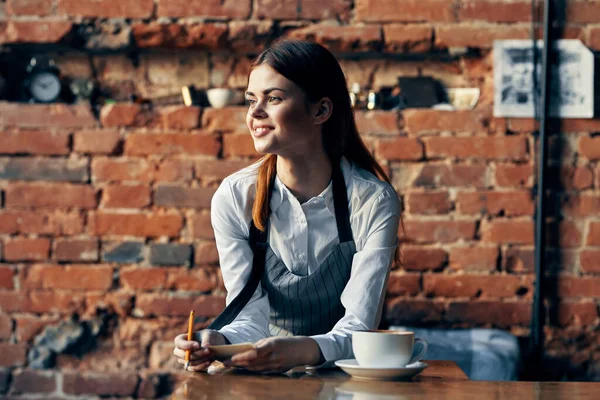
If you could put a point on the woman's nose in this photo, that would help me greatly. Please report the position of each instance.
(258, 111)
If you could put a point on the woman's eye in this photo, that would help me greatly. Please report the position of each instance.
(273, 98)
(250, 101)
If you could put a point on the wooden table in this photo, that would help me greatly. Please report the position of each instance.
(442, 379)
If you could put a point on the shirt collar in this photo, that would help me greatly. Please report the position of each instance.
(280, 191)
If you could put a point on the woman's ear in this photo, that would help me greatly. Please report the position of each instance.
(323, 111)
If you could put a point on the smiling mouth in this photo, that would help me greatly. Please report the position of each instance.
(261, 131)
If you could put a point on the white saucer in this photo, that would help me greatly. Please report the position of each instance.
(352, 368)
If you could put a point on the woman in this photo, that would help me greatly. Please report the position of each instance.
(311, 220)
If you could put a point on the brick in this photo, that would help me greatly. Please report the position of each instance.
(27, 327)
(106, 358)
(509, 204)
(377, 122)
(343, 39)
(6, 277)
(172, 195)
(175, 170)
(139, 225)
(123, 252)
(25, 222)
(125, 196)
(6, 326)
(195, 280)
(161, 356)
(122, 169)
(403, 284)
(402, 311)
(249, 36)
(44, 31)
(508, 231)
(518, 259)
(582, 12)
(575, 205)
(128, 115)
(239, 145)
(182, 117)
(436, 202)
(444, 231)
(402, 148)
(11, 301)
(407, 38)
(34, 142)
(206, 253)
(137, 144)
(564, 234)
(76, 249)
(137, 278)
(276, 9)
(495, 11)
(593, 237)
(46, 115)
(503, 148)
(100, 383)
(317, 10)
(478, 36)
(206, 36)
(13, 355)
(573, 314)
(167, 74)
(419, 258)
(453, 175)
(589, 147)
(71, 277)
(568, 286)
(218, 169)
(33, 381)
(474, 258)
(225, 119)
(99, 141)
(25, 249)
(239, 9)
(40, 8)
(106, 8)
(410, 11)
(499, 314)
(51, 195)
(166, 305)
(170, 254)
(570, 178)
(474, 286)
(419, 121)
(44, 169)
(590, 261)
(514, 175)
(50, 301)
(200, 226)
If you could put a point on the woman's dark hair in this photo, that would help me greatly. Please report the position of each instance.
(317, 72)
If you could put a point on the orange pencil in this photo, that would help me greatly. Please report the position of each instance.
(190, 335)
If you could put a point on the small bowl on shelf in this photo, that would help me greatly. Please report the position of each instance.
(463, 98)
(221, 97)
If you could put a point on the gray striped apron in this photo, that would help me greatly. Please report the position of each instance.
(310, 305)
(300, 305)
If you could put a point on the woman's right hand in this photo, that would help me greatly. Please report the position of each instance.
(200, 356)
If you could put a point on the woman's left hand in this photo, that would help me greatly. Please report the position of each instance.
(277, 354)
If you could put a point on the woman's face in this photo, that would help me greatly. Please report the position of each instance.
(280, 119)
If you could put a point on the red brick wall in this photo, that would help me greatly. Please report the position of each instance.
(108, 218)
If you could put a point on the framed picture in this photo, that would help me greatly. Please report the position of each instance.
(572, 79)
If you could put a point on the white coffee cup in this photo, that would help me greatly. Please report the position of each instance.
(386, 349)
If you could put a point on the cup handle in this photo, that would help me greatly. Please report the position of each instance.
(421, 353)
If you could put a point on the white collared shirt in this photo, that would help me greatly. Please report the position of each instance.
(302, 236)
